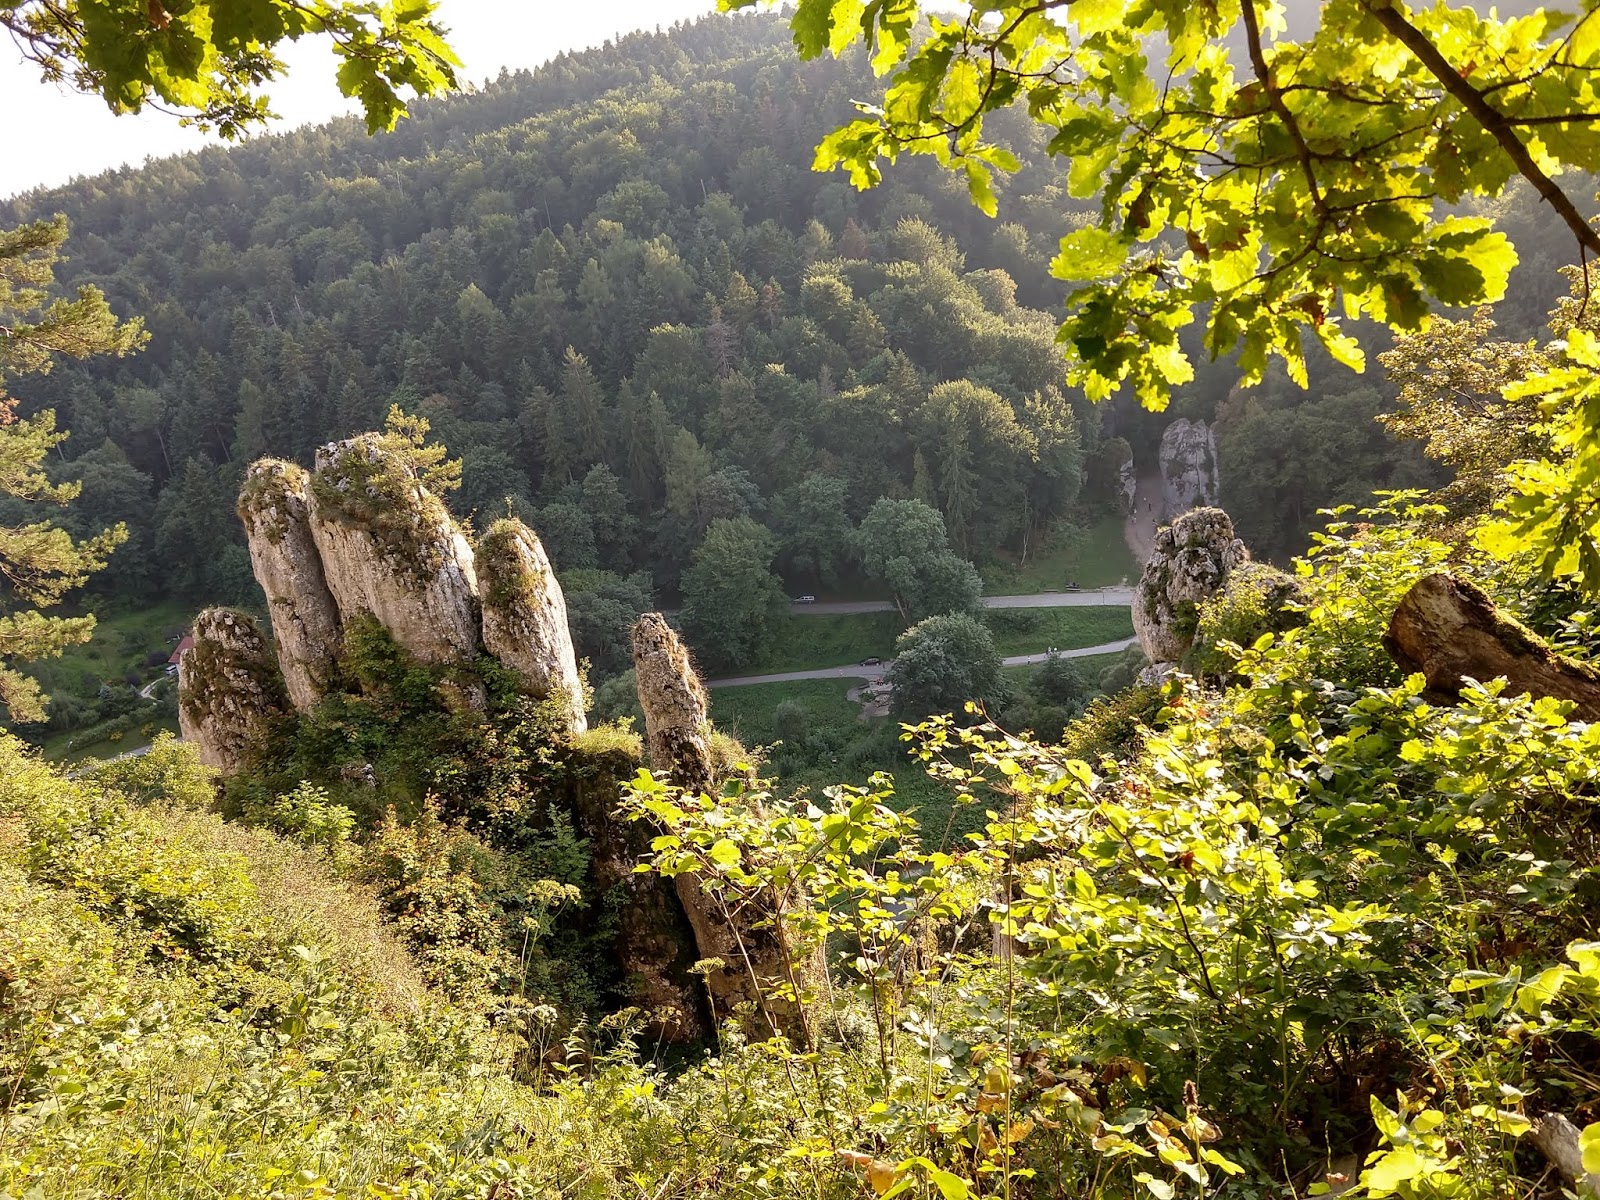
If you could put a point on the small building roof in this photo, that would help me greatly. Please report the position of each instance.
(183, 644)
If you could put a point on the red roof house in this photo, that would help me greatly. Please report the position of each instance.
(186, 641)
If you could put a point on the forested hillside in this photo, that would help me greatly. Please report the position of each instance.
(618, 292)
(619, 262)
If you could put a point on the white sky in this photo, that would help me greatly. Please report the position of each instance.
(61, 134)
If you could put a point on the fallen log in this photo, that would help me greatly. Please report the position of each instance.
(1557, 1139)
(1449, 630)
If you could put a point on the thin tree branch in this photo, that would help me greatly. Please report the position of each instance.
(1494, 122)
(1258, 60)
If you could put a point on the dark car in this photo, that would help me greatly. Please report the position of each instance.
(873, 661)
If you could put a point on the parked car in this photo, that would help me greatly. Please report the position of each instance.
(805, 599)
(873, 661)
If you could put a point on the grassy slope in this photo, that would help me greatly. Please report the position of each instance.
(802, 643)
(1096, 556)
(1034, 630)
(119, 645)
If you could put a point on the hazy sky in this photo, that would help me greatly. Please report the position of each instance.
(58, 134)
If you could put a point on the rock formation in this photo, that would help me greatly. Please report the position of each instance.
(675, 706)
(389, 548)
(229, 689)
(754, 956)
(1128, 485)
(655, 944)
(1189, 476)
(275, 506)
(1190, 562)
(525, 616)
(1449, 630)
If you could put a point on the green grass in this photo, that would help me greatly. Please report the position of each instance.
(69, 747)
(747, 712)
(119, 646)
(1095, 555)
(1091, 666)
(850, 750)
(807, 643)
(1033, 630)
(836, 640)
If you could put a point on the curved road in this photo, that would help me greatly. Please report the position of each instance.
(1107, 597)
(860, 672)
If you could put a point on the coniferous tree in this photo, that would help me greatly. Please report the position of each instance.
(39, 561)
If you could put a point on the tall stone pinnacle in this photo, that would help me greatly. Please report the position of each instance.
(275, 506)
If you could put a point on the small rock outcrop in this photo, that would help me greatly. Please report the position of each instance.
(275, 506)
(677, 727)
(229, 689)
(1189, 477)
(390, 549)
(525, 616)
(1190, 563)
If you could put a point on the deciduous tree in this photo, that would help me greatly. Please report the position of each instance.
(730, 595)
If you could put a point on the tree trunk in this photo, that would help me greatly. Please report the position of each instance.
(1450, 631)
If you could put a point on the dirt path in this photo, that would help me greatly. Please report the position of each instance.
(1140, 527)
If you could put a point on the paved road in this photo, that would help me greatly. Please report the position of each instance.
(859, 672)
(1110, 597)
(81, 768)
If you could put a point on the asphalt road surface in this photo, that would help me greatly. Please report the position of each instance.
(859, 672)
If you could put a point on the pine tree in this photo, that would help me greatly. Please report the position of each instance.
(40, 563)
(583, 406)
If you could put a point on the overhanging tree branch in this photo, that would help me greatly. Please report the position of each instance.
(1496, 123)
(1258, 60)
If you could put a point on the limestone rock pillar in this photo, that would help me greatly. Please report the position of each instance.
(1189, 475)
(389, 548)
(229, 689)
(753, 952)
(275, 506)
(525, 616)
(1189, 564)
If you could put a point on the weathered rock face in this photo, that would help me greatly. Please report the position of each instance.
(525, 616)
(655, 943)
(1128, 485)
(753, 952)
(1449, 630)
(1189, 476)
(389, 548)
(674, 703)
(229, 689)
(1190, 563)
(275, 506)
